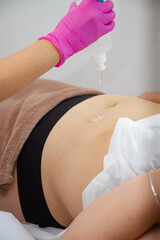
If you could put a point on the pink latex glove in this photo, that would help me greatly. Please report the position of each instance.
(81, 26)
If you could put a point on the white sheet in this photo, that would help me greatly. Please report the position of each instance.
(48, 233)
(12, 229)
(134, 150)
(145, 136)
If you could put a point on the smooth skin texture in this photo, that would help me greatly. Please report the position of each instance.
(71, 159)
(38, 59)
(33, 62)
(128, 211)
(123, 213)
(68, 38)
(23, 67)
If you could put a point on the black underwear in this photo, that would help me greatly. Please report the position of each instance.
(31, 194)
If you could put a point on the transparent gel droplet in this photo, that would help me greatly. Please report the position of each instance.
(97, 118)
(101, 78)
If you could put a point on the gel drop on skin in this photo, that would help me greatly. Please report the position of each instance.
(98, 49)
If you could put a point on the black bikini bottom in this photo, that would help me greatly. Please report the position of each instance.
(31, 195)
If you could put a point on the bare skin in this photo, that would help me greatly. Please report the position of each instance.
(65, 178)
(123, 213)
(152, 234)
(79, 153)
(84, 147)
(20, 69)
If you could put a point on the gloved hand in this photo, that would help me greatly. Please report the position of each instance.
(82, 26)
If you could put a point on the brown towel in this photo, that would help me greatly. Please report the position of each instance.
(19, 115)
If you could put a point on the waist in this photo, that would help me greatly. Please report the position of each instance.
(32, 198)
(78, 142)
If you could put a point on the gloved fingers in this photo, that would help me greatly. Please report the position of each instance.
(105, 7)
(109, 17)
(109, 27)
(72, 6)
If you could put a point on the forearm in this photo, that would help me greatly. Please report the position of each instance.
(151, 96)
(68, 38)
(23, 67)
(125, 213)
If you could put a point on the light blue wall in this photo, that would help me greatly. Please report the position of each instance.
(133, 64)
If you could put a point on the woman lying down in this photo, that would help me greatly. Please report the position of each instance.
(79, 159)
(76, 158)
